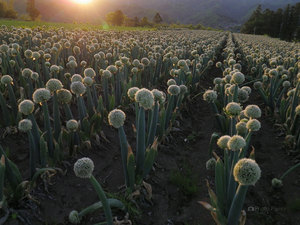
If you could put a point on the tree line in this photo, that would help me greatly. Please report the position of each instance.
(7, 9)
(282, 23)
(118, 18)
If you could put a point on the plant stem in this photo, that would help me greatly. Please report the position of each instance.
(103, 199)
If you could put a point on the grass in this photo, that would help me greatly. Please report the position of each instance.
(185, 180)
(69, 26)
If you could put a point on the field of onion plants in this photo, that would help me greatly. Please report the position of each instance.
(148, 127)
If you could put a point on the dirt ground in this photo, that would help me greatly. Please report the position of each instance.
(185, 151)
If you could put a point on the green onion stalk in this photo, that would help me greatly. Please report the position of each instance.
(56, 117)
(169, 110)
(33, 156)
(295, 100)
(153, 124)
(36, 132)
(12, 172)
(81, 107)
(237, 205)
(47, 126)
(118, 88)
(103, 199)
(124, 154)
(5, 111)
(2, 177)
(76, 217)
(286, 173)
(90, 102)
(231, 182)
(246, 172)
(141, 142)
(105, 91)
(83, 168)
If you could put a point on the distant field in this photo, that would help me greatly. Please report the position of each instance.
(69, 26)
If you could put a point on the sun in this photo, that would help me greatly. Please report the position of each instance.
(82, 1)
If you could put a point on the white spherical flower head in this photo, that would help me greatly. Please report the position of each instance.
(223, 141)
(54, 85)
(28, 54)
(276, 183)
(145, 61)
(72, 125)
(246, 172)
(233, 108)
(210, 164)
(210, 96)
(252, 111)
(76, 77)
(171, 82)
(64, 96)
(25, 125)
(74, 217)
(26, 72)
(41, 95)
(88, 81)
(116, 118)
(181, 63)
(174, 89)
(145, 98)
(158, 95)
(218, 64)
(6, 79)
(26, 107)
(89, 72)
(113, 69)
(84, 168)
(131, 92)
(183, 89)
(135, 63)
(35, 76)
(243, 95)
(231, 62)
(286, 84)
(257, 85)
(236, 143)
(54, 69)
(231, 89)
(253, 125)
(241, 128)
(238, 78)
(106, 74)
(247, 88)
(134, 70)
(78, 88)
(218, 80)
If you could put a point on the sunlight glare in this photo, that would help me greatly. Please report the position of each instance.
(82, 1)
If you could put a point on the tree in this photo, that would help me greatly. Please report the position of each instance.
(254, 23)
(115, 18)
(7, 10)
(128, 22)
(31, 10)
(136, 21)
(157, 18)
(3, 7)
(145, 22)
(285, 24)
